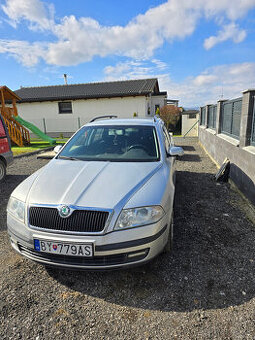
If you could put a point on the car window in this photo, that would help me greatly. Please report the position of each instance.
(166, 139)
(114, 143)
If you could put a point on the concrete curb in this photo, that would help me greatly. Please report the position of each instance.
(33, 152)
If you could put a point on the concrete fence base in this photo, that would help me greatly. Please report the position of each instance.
(242, 160)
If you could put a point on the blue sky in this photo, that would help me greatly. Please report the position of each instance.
(197, 49)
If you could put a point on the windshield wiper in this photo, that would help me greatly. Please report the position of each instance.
(69, 158)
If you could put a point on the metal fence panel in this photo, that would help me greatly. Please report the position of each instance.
(237, 109)
(202, 122)
(227, 118)
(253, 124)
(231, 117)
(212, 116)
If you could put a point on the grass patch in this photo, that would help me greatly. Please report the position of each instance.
(35, 145)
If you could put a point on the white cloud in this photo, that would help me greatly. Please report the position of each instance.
(24, 52)
(233, 9)
(36, 12)
(230, 31)
(205, 88)
(204, 79)
(135, 69)
(80, 39)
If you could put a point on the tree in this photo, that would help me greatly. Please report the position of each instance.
(170, 114)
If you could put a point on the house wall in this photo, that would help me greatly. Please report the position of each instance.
(187, 124)
(45, 115)
(156, 100)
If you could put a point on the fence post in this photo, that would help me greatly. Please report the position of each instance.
(219, 115)
(200, 115)
(246, 117)
(44, 125)
(206, 115)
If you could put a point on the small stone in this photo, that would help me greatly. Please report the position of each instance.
(225, 214)
(222, 294)
(185, 278)
(244, 293)
(203, 316)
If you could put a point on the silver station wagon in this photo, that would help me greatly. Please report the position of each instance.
(105, 201)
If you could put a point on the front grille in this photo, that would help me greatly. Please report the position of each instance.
(108, 260)
(79, 221)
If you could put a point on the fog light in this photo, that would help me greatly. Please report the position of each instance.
(139, 253)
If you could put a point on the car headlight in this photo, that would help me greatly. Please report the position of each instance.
(16, 208)
(139, 216)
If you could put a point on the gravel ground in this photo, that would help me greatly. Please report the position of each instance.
(204, 290)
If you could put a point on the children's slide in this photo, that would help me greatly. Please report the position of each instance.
(35, 130)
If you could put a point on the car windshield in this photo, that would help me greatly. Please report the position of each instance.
(113, 143)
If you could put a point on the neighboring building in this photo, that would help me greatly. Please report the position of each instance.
(174, 102)
(64, 108)
(189, 125)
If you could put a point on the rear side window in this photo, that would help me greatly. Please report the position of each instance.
(167, 139)
(2, 130)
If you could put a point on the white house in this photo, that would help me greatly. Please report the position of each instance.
(64, 108)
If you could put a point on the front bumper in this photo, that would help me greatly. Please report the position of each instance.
(122, 248)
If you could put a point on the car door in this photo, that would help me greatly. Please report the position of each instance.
(169, 163)
(4, 143)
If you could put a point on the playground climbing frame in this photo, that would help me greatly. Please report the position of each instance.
(18, 133)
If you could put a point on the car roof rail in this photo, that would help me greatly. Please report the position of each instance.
(103, 117)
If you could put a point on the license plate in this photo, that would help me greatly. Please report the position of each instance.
(63, 248)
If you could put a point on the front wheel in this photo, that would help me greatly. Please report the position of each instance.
(169, 246)
(2, 170)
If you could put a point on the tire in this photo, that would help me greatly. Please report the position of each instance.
(169, 246)
(2, 170)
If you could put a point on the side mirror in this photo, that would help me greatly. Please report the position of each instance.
(176, 151)
(58, 148)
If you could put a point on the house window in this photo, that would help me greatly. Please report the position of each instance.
(65, 107)
(192, 116)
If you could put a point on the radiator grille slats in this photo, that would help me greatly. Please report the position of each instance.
(79, 221)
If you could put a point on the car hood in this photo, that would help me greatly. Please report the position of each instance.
(89, 184)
